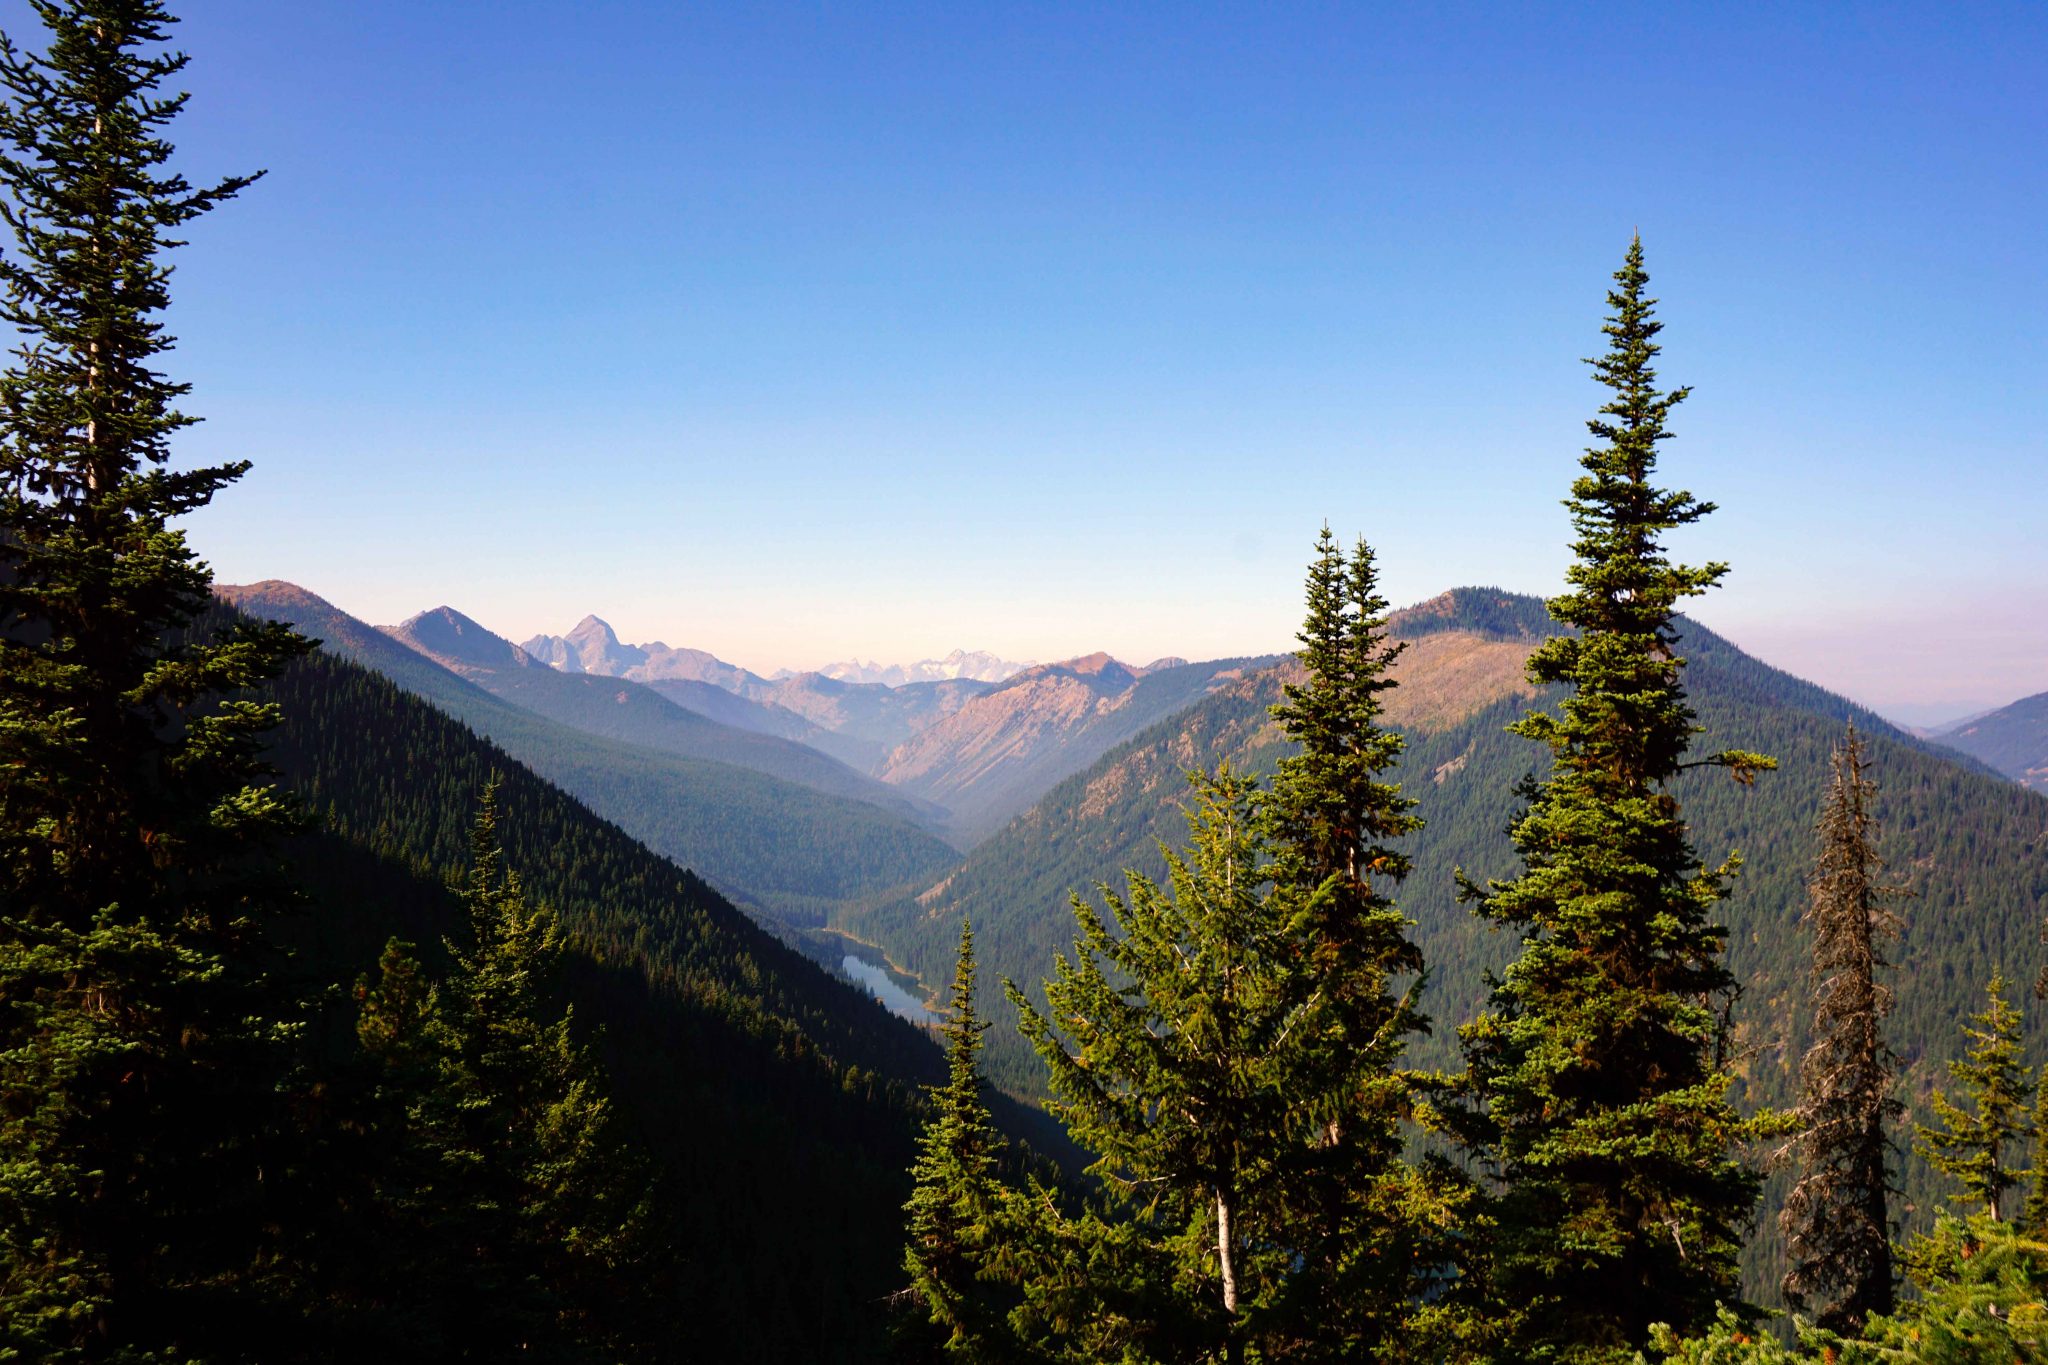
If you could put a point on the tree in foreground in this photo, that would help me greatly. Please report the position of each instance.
(1177, 1044)
(1597, 1077)
(955, 1201)
(1970, 1145)
(1836, 1221)
(523, 1212)
(1370, 1227)
(140, 1046)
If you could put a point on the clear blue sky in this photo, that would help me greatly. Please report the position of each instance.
(793, 333)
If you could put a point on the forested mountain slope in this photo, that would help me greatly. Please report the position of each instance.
(2013, 739)
(870, 720)
(784, 847)
(1003, 750)
(1975, 848)
(618, 708)
(778, 1100)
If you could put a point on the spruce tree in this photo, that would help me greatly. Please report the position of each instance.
(1177, 1046)
(1360, 1213)
(1598, 1074)
(140, 1045)
(1836, 1222)
(1969, 1145)
(954, 1203)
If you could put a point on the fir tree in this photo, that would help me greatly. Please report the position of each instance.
(1360, 1213)
(1177, 1045)
(1836, 1222)
(1969, 1145)
(140, 1047)
(954, 1204)
(1598, 1075)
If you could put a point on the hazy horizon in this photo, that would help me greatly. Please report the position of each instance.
(798, 335)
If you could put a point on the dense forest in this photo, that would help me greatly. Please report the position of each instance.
(350, 1009)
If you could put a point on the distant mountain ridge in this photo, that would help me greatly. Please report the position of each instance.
(973, 665)
(2013, 740)
(771, 839)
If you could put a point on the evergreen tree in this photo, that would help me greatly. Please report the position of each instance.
(1598, 1075)
(2034, 1217)
(1969, 1145)
(1836, 1223)
(954, 1205)
(140, 1047)
(1177, 1045)
(1360, 1213)
(514, 1216)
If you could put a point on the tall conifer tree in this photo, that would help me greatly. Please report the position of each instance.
(139, 1050)
(953, 1209)
(1598, 1075)
(1361, 1214)
(1969, 1145)
(1836, 1221)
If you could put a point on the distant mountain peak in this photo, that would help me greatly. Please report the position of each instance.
(455, 641)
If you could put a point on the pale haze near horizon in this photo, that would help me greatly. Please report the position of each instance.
(797, 336)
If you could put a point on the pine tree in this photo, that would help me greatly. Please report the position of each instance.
(1969, 1145)
(954, 1205)
(1836, 1223)
(1175, 1056)
(140, 1045)
(1361, 1214)
(1598, 1074)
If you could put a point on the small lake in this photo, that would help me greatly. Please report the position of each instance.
(884, 988)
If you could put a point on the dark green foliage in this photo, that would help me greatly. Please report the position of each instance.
(1181, 1037)
(142, 1053)
(1969, 1145)
(2034, 1216)
(518, 1215)
(788, 848)
(1598, 1075)
(769, 1095)
(1362, 1219)
(955, 1200)
(2012, 739)
(1836, 1221)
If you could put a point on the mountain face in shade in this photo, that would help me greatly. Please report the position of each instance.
(785, 840)
(972, 665)
(2013, 740)
(457, 643)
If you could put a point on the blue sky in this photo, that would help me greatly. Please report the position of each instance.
(794, 333)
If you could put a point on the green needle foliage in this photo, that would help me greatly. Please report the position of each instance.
(956, 1200)
(1969, 1145)
(1836, 1222)
(1597, 1077)
(141, 1048)
(515, 1216)
(1368, 1224)
(1177, 1043)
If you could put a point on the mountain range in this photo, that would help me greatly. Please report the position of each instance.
(971, 665)
(1062, 775)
